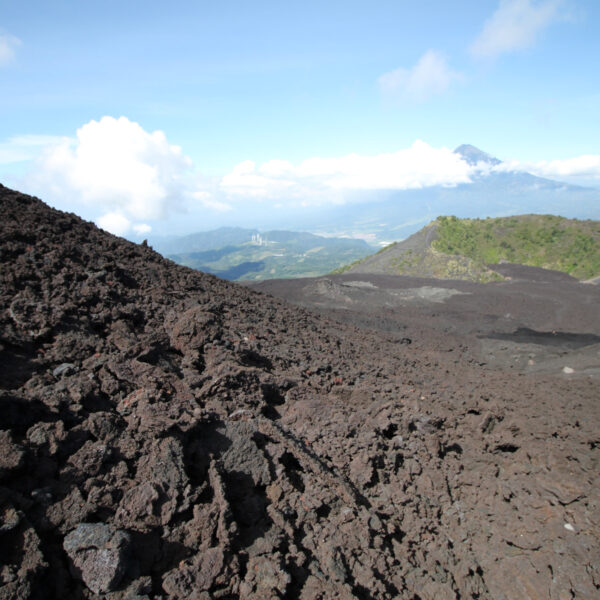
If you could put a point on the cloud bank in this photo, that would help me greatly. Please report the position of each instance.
(8, 48)
(117, 167)
(584, 169)
(325, 180)
(515, 25)
(127, 178)
(429, 77)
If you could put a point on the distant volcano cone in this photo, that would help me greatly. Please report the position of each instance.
(474, 155)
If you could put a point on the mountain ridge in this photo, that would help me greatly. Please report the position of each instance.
(452, 248)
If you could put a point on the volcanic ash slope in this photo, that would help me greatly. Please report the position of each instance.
(166, 434)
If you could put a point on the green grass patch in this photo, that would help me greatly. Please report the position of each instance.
(567, 245)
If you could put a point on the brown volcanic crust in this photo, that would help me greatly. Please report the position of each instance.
(166, 434)
(535, 321)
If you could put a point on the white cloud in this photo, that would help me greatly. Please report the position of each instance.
(117, 223)
(321, 180)
(244, 179)
(584, 169)
(429, 77)
(116, 167)
(114, 222)
(8, 47)
(515, 25)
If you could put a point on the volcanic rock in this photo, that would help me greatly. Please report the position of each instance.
(207, 441)
(99, 555)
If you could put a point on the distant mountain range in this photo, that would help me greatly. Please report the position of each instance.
(471, 249)
(246, 254)
(204, 240)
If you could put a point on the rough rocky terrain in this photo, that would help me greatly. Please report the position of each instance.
(166, 434)
(535, 321)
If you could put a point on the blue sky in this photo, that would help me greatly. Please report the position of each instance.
(271, 104)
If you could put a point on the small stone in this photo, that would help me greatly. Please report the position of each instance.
(569, 527)
(7, 574)
(239, 414)
(375, 523)
(12, 455)
(9, 519)
(487, 424)
(335, 564)
(99, 555)
(347, 514)
(568, 370)
(64, 369)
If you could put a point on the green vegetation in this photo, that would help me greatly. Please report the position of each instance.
(430, 263)
(547, 241)
(452, 248)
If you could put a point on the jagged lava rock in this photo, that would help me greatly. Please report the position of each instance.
(99, 555)
(207, 441)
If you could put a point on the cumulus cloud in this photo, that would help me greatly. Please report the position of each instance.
(8, 48)
(246, 180)
(515, 25)
(114, 222)
(583, 169)
(117, 223)
(119, 169)
(429, 77)
(319, 180)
